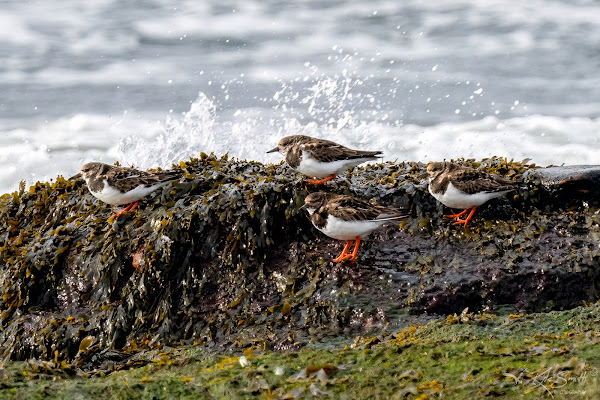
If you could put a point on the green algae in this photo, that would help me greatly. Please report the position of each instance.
(466, 355)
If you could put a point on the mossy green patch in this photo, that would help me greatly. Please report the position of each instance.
(469, 355)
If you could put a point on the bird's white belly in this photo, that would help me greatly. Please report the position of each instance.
(348, 230)
(455, 198)
(112, 196)
(309, 166)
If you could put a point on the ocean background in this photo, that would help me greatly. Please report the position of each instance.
(153, 82)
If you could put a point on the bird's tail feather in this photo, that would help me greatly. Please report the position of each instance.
(390, 217)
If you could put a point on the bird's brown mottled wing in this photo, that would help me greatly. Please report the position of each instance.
(126, 179)
(350, 208)
(473, 181)
(328, 151)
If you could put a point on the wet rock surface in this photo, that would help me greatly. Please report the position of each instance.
(227, 258)
(568, 184)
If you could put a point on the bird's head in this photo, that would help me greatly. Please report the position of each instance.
(90, 169)
(288, 142)
(435, 168)
(314, 201)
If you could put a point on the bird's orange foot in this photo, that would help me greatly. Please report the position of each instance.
(456, 216)
(466, 220)
(348, 256)
(461, 221)
(343, 254)
(321, 181)
(129, 207)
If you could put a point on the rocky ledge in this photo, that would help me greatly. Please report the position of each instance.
(226, 258)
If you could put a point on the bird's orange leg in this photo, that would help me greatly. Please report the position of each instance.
(456, 216)
(352, 256)
(464, 221)
(134, 205)
(343, 255)
(318, 182)
(130, 207)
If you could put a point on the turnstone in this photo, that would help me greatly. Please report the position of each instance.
(347, 218)
(457, 186)
(120, 185)
(320, 158)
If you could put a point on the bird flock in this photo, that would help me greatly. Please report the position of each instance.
(341, 217)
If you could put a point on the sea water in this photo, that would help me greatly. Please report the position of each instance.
(149, 83)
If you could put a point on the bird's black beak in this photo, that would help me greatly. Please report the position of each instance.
(303, 207)
(273, 150)
(76, 176)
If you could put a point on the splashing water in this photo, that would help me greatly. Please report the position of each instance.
(338, 109)
(346, 108)
(325, 110)
(179, 139)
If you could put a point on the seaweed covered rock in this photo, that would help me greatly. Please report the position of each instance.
(227, 258)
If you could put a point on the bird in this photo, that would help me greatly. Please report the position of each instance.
(118, 185)
(347, 218)
(461, 187)
(320, 158)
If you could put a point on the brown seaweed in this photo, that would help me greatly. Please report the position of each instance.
(228, 258)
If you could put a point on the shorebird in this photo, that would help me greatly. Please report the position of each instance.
(320, 158)
(347, 218)
(120, 185)
(466, 188)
